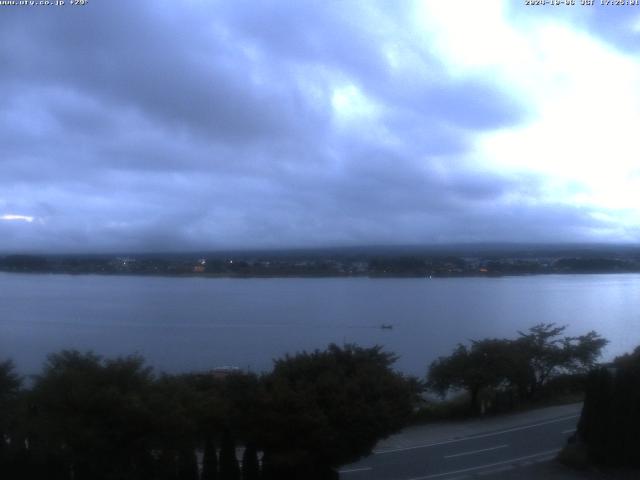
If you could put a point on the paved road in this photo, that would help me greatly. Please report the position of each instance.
(520, 441)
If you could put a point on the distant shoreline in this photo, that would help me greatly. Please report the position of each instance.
(397, 265)
(313, 276)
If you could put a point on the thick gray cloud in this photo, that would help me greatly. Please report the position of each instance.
(195, 125)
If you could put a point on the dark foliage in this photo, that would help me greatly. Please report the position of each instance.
(484, 364)
(592, 265)
(610, 418)
(89, 418)
(250, 464)
(92, 416)
(515, 369)
(229, 468)
(10, 384)
(24, 263)
(187, 464)
(328, 408)
(209, 460)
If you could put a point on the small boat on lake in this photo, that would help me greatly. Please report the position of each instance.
(386, 326)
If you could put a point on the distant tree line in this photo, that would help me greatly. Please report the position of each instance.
(516, 370)
(89, 418)
(318, 266)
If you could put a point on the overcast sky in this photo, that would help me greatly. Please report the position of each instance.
(194, 124)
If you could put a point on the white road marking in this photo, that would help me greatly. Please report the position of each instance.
(543, 459)
(353, 470)
(493, 471)
(476, 451)
(473, 437)
(488, 465)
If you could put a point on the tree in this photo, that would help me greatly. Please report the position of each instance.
(174, 405)
(327, 408)
(625, 423)
(547, 354)
(229, 468)
(525, 364)
(10, 384)
(93, 415)
(209, 460)
(486, 363)
(187, 464)
(610, 418)
(250, 465)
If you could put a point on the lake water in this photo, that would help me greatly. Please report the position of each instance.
(182, 324)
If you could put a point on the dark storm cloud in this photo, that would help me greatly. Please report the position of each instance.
(143, 63)
(153, 125)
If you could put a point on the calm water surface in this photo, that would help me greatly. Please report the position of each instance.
(182, 324)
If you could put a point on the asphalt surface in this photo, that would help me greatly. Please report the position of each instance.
(489, 449)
